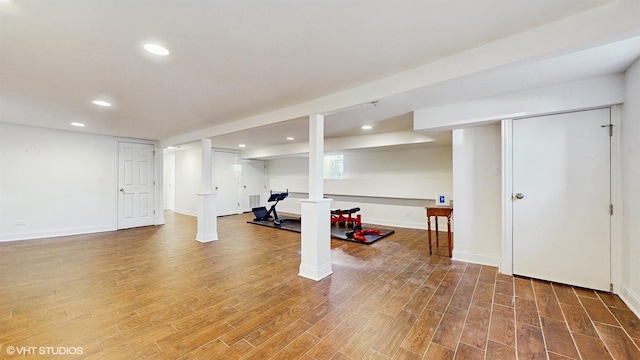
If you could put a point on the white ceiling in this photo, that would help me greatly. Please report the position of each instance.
(236, 59)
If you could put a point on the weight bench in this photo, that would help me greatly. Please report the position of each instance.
(345, 217)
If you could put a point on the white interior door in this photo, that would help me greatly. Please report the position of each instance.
(561, 221)
(136, 202)
(227, 178)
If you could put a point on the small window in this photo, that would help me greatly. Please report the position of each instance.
(333, 166)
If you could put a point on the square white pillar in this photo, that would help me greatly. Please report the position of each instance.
(315, 261)
(207, 212)
(207, 218)
(316, 154)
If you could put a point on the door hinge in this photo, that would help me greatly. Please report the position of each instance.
(610, 288)
(610, 126)
(610, 209)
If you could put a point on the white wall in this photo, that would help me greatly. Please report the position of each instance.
(188, 180)
(55, 183)
(390, 185)
(594, 92)
(477, 185)
(630, 164)
(169, 183)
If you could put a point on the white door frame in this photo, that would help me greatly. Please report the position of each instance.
(236, 193)
(157, 177)
(506, 262)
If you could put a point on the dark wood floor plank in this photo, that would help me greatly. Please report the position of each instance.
(364, 338)
(497, 351)
(450, 327)
(297, 348)
(504, 287)
(463, 294)
(542, 287)
(548, 306)
(578, 320)
(628, 320)
(437, 352)
(612, 300)
(591, 348)
(476, 328)
(483, 295)
(530, 342)
(440, 299)
(598, 311)
(421, 333)
(558, 338)
(523, 288)
(566, 295)
(488, 274)
(391, 338)
(331, 344)
(469, 352)
(397, 302)
(527, 312)
(419, 300)
(619, 345)
(502, 328)
(276, 341)
(404, 354)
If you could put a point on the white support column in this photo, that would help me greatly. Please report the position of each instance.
(316, 156)
(207, 214)
(316, 211)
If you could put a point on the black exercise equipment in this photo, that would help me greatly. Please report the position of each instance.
(262, 214)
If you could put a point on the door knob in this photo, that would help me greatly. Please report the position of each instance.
(519, 196)
(122, 191)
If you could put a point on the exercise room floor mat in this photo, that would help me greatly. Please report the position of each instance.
(341, 233)
(336, 232)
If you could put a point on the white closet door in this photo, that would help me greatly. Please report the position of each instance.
(227, 171)
(561, 186)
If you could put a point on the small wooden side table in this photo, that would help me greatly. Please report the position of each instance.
(439, 211)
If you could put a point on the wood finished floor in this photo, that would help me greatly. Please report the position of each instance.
(157, 293)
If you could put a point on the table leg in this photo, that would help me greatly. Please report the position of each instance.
(449, 233)
(429, 232)
(437, 239)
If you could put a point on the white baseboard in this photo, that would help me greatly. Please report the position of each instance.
(398, 223)
(475, 258)
(632, 299)
(186, 212)
(54, 233)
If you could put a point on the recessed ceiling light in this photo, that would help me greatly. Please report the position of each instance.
(242, 145)
(156, 49)
(77, 124)
(367, 127)
(101, 103)
(290, 138)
